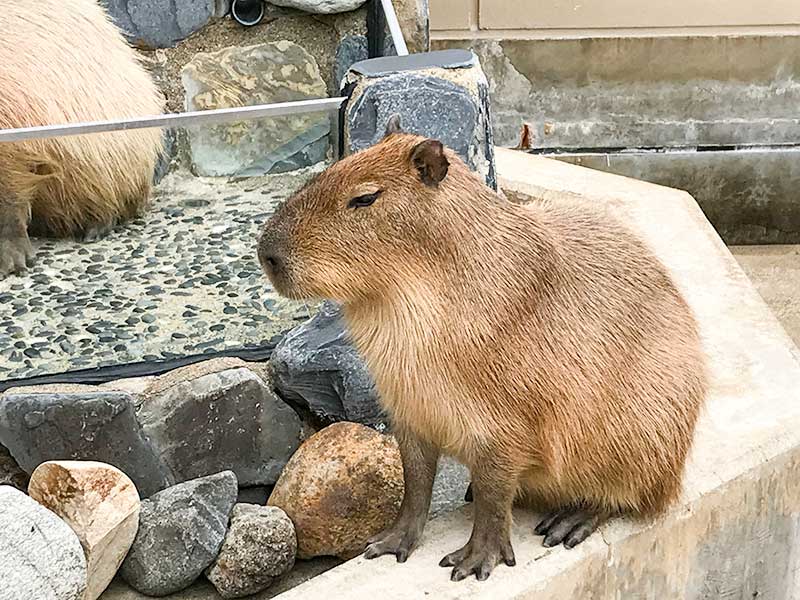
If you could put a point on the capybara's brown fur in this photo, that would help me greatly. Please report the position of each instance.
(543, 345)
(64, 61)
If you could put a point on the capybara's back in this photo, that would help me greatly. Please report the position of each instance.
(64, 61)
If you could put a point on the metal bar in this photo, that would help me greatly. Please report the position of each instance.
(394, 28)
(200, 117)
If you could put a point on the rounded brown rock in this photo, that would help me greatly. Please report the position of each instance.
(342, 486)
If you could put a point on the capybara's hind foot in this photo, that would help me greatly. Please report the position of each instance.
(16, 255)
(568, 525)
(480, 557)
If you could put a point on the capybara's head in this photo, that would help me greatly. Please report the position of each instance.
(368, 222)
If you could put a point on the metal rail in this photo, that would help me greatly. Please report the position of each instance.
(204, 117)
(186, 119)
(394, 28)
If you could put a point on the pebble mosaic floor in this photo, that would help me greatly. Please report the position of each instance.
(181, 280)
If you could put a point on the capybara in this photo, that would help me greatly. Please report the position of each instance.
(543, 345)
(64, 61)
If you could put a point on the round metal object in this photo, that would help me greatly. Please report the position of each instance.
(247, 12)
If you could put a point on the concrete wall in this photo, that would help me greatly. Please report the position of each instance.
(579, 15)
(623, 76)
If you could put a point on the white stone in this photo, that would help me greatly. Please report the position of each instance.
(101, 505)
(324, 7)
(40, 556)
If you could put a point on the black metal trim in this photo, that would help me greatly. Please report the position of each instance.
(98, 375)
(376, 29)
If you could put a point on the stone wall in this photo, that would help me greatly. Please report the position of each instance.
(203, 59)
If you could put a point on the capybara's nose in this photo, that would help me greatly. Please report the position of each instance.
(269, 254)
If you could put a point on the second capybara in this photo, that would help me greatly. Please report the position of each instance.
(64, 61)
(545, 346)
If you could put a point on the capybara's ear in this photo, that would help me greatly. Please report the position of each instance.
(393, 125)
(430, 162)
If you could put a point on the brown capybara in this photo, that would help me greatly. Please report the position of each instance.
(64, 61)
(542, 345)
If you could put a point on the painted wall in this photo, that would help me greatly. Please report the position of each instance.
(532, 17)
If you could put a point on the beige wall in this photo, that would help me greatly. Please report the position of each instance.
(577, 15)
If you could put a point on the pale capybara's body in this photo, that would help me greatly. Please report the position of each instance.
(64, 61)
(543, 345)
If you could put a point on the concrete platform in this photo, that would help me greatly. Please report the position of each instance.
(775, 273)
(734, 534)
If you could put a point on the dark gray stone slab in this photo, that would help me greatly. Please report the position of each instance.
(158, 23)
(318, 371)
(386, 65)
(82, 426)
(181, 530)
(226, 420)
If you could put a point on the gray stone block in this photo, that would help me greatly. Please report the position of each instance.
(226, 420)
(97, 426)
(317, 370)
(442, 95)
(160, 24)
(181, 530)
(244, 76)
(40, 556)
(350, 50)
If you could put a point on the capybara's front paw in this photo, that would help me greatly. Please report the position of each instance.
(16, 255)
(480, 557)
(398, 540)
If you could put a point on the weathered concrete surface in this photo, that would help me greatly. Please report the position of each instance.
(643, 91)
(734, 533)
(203, 590)
(749, 195)
(775, 273)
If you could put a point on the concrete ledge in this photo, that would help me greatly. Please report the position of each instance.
(734, 534)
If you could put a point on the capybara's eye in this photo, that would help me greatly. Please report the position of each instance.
(362, 201)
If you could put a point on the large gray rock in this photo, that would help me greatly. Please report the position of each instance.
(325, 7)
(227, 420)
(243, 76)
(260, 545)
(40, 556)
(10, 471)
(181, 530)
(98, 426)
(160, 24)
(317, 370)
(442, 95)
